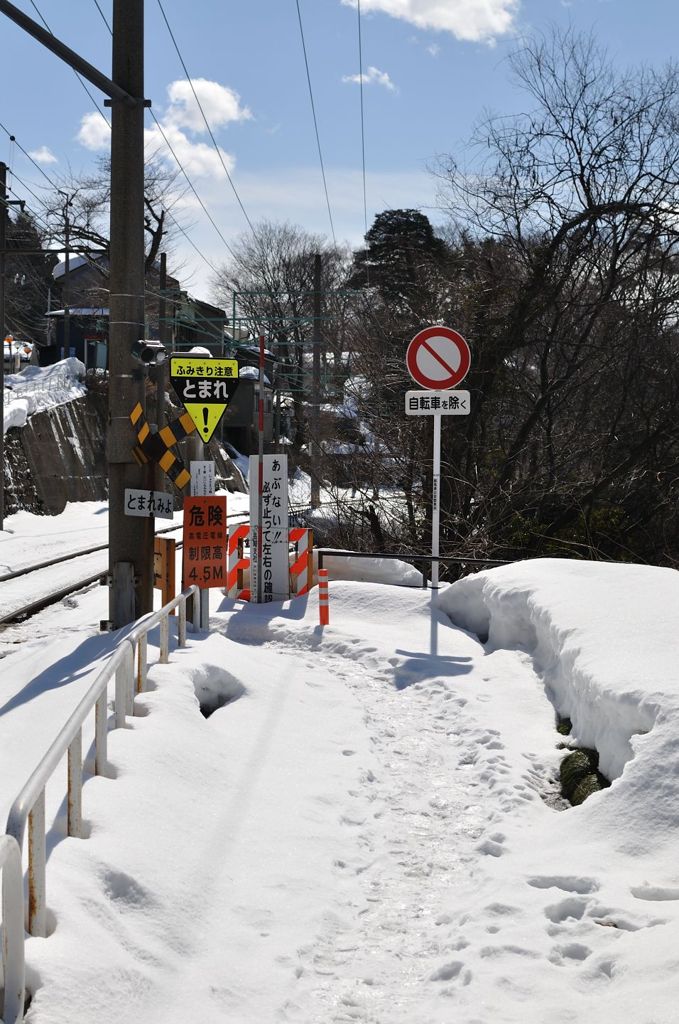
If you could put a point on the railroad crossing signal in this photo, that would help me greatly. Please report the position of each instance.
(157, 446)
(205, 387)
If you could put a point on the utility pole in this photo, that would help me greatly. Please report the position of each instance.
(130, 537)
(314, 445)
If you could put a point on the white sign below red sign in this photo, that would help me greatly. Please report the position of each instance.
(438, 357)
(443, 403)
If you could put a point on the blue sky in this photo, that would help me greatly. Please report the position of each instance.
(436, 65)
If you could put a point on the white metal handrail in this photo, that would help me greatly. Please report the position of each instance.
(29, 805)
(12, 931)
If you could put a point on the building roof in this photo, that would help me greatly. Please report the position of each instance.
(79, 311)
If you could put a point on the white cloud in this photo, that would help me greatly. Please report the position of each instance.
(43, 155)
(471, 20)
(221, 105)
(373, 75)
(434, 50)
(199, 159)
(94, 133)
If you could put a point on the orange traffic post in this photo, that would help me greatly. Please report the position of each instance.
(323, 605)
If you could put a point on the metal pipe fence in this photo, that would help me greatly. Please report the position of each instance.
(29, 806)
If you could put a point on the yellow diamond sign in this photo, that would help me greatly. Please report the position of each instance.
(204, 386)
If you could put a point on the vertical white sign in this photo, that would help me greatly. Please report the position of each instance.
(274, 567)
(202, 479)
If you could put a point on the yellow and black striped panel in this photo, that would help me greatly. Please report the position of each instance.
(157, 446)
(136, 413)
(174, 432)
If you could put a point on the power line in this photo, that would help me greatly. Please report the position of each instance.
(200, 107)
(313, 112)
(53, 185)
(191, 185)
(178, 161)
(28, 156)
(103, 16)
(79, 77)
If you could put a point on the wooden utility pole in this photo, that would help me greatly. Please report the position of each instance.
(130, 537)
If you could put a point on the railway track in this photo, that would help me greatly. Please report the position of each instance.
(30, 589)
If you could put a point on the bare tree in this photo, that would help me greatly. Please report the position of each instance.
(568, 233)
(271, 282)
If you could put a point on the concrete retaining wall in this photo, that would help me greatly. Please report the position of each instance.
(59, 456)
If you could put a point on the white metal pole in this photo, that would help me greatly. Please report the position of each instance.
(436, 501)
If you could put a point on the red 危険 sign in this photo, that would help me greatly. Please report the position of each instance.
(204, 553)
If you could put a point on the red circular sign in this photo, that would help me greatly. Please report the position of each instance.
(438, 358)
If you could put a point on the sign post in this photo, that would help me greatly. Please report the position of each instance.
(438, 358)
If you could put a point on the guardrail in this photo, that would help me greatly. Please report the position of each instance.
(29, 806)
(409, 556)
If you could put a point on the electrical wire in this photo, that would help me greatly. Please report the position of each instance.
(207, 125)
(178, 161)
(79, 77)
(103, 16)
(313, 112)
(53, 185)
(191, 185)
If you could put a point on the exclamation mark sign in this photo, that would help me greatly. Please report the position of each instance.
(206, 429)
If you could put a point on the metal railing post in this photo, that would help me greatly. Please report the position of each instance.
(121, 695)
(12, 931)
(101, 734)
(181, 624)
(165, 640)
(37, 909)
(75, 785)
(142, 662)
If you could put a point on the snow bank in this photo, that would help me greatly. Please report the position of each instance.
(372, 570)
(38, 388)
(591, 628)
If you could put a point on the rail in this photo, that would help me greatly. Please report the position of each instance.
(410, 557)
(29, 806)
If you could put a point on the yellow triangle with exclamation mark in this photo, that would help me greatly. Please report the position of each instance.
(206, 417)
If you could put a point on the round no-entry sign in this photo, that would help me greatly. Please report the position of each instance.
(438, 358)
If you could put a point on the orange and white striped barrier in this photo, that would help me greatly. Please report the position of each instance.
(236, 563)
(323, 601)
(301, 570)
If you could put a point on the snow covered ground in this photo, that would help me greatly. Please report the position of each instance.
(36, 388)
(369, 828)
